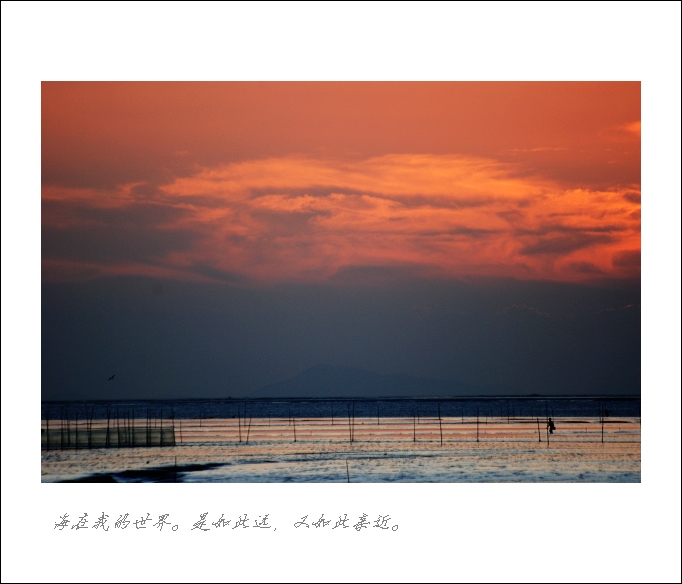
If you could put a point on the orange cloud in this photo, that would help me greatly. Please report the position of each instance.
(635, 128)
(308, 219)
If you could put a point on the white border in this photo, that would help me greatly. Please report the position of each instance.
(449, 532)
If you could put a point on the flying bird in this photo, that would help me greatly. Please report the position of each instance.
(112, 377)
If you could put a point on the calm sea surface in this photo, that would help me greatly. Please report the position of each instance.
(512, 407)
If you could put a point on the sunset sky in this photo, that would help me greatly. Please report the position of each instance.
(208, 239)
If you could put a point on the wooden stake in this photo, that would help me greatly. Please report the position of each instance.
(476, 424)
(239, 421)
(440, 425)
(92, 416)
(248, 431)
(294, 429)
(347, 473)
(539, 436)
(173, 419)
(107, 440)
(88, 426)
(353, 430)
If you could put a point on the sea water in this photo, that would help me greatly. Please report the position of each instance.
(448, 440)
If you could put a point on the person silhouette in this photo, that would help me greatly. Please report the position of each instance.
(551, 426)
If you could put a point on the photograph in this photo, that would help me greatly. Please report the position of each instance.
(340, 282)
(340, 292)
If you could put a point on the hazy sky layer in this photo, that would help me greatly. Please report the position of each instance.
(205, 239)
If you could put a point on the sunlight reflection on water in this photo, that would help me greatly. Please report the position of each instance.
(396, 449)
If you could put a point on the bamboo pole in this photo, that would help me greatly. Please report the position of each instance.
(347, 472)
(294, 419)
(47, 434)
(353, 427)
(107, 442)
(476, 424)
(248, 431)
(92, 415)
(239, 422)
(87, 427)
(539, 435)
(440, 424)
(173, 420)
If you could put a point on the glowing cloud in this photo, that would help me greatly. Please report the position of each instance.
(304, 218)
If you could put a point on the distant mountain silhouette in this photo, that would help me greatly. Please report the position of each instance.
(323, 381)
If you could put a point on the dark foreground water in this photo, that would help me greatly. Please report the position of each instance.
(503, 408)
